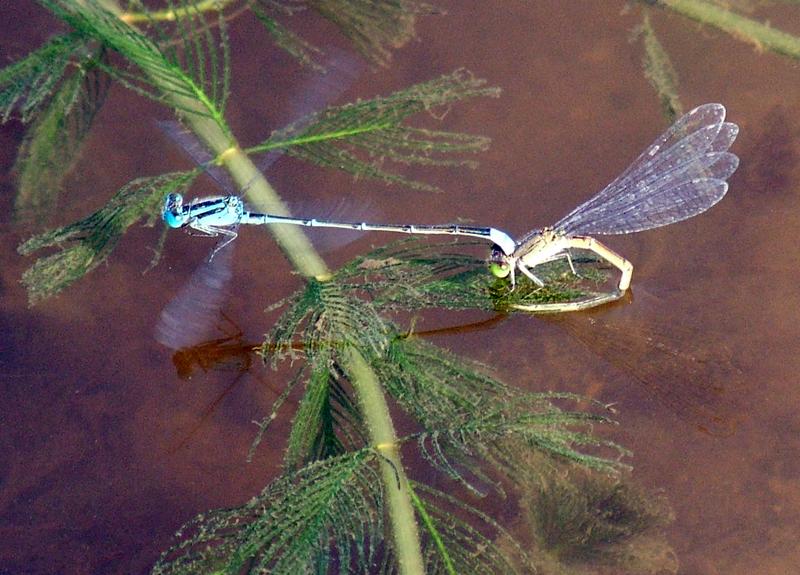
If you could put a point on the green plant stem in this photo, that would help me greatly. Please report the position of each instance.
(434, 533)
(759, 34)
(173, 14)
(382, 434)
(304, 258)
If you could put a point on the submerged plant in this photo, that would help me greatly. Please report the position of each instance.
(580, 521)
(657, 64)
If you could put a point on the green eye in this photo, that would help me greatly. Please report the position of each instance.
(500, 270)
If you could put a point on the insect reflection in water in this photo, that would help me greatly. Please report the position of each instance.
(691, 374)
(228, 353)
(696, 386)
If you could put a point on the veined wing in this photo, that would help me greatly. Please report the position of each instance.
(682, 174)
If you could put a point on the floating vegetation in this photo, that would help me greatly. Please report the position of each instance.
(414, 274)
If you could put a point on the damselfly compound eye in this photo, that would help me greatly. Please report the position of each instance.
(498, 263)
(173, 211)
(500, 270)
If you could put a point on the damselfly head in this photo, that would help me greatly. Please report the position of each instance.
(499, 263)
(173, 211)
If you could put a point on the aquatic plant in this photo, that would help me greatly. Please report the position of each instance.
(344, 501)
(657, 64)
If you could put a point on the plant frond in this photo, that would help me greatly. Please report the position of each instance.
(328, 322)
(53, 143)
(199, 88)
(584, 519)
(327, 422)
(437, 387)
(285, 39)
(93, 239)
(196, 40)
(467, 415)
(265, 422)
(29, 83)
(326, 319)
(375, 27)
(659, 71)
(357, 138)
(329, 508)
(468, 538)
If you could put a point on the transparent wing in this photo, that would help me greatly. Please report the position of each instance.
(191, 317)
(682, 174)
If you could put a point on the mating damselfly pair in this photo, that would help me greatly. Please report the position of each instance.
(682, 174)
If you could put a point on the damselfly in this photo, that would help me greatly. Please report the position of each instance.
(221, 215)
(682, 174)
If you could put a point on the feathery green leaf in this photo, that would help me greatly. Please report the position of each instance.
(326, 319)
(284, 38)
(93, 239)
(193, 80)
(468, 415)
(53, 143)
(374, 26)
(327, 422)
(462, 539)
(29, 83)
(302, 519)
(338, 136)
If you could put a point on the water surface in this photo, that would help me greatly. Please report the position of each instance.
(106, 451)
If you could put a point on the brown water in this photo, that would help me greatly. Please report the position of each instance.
(105, 452)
